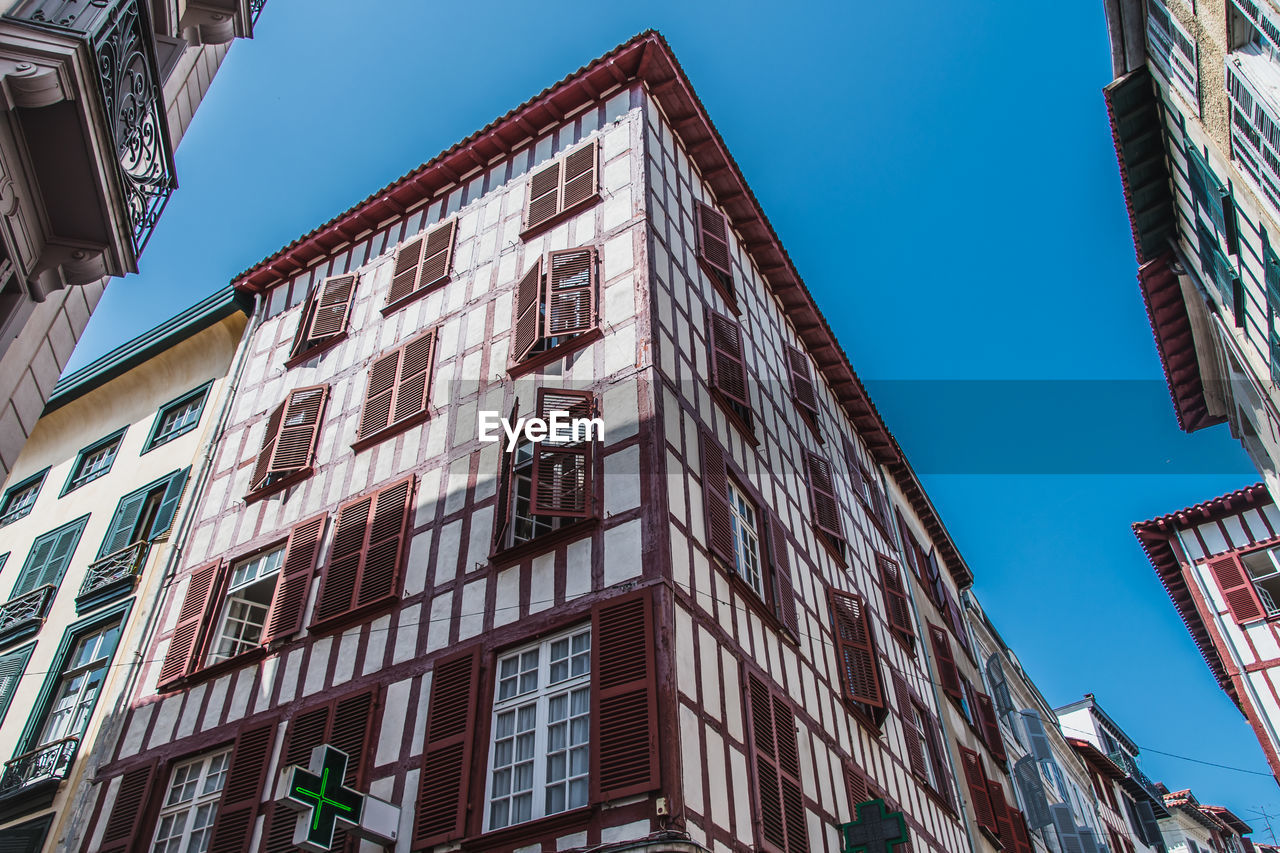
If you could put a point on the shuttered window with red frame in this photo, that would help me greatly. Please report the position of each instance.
(979, 796)
(826, 510)
(569, 184)
(289, 441)
(912, 736)
(784, 591)
(367, 556)
(125, 831)
(324, 317)
(1237, 589)
(556, 301)
(946, 662)
(896, 603)
(780, 810)
(242, 790)
(562, 469)
(422, 265)
(986, 713)
(1000, 810)
(713, 250)
(399, 390)
(728, 368)
(715, 498)
(802, 388)
(348, 723)
(856, 651)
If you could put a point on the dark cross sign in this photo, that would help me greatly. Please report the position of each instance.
(875, 830)
(317, 791)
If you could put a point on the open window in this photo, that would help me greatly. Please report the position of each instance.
(289, 442)
(803, 393)
(922, 735)
(323, 321)
(555, 307)
(563, 188)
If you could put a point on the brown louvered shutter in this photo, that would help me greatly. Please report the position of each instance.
(289, 604)
(571, 292)
(527, 316)
(295, 443)
(728, 371)
(1023, 835)
(784, 595)
(579, 176)
(263, 464)
(769, 814)
(857, 784)
(422, 264)
(506, 468)
(911, 733)
(1237, 589)
(784, 729)
(333, 304)
(443, 793)
(624, 712)
(375, 415)
(713, 240)
(1000, 810)
(946, 663)
(895, 596)
(123, 831)
(304, 733)
(197, 606)
(544, 195)
(404, 279)
(437, 257)
(338, 583)
(826, 515)
(413, 383)
(990, 726)
(855, 649)
(801, 383)
(242, 790)
(715, 499)
(368, 551)
(976, 781)
(910, 549)
(937, 757)
(562, 470)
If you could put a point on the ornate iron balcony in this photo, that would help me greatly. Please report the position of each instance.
(30, 607)
(48, 762)
(1137, 779)
(117, 567)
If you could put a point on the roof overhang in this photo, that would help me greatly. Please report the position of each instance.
(1095, 759)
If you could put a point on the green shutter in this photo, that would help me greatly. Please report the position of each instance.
(122, 531)
(173, 492)
(12, 666)
(49, 557)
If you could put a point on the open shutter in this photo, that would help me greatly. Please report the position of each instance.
(1026, 773)
(384, 553)
(404, 279)
(784, 593)
(941, 765)
(1000, 809)
(855, 649)
(1021, 833)
(174, 489)
(976, 781)
(527, 319)
(437, 257)
(715, 498)
(12, 665)
(895, 596)
(332, 305)
(544, 195)
(413, 382)
(290, 601)
(123, 530)
(857, 784)
(999, 686)
(47, 561)
(801, 383)
(784, 730)
(910, 733)
(1237, 589)
(624, 713)
(713, 240)
(579, 176)
(375, 414)
(263, 464)
(1064, 825)
(1148, 826)
(443, 794)
(295, 444)
(910, 548)
(502, 510)
(338, 584)
(947, 671)
(990, 725)
(242, 790)
(1040, 747)
(571, 292)
(826, 515)
(562, 470)
(124, 826)
(728, 371)
(769, 810)
(197, 604)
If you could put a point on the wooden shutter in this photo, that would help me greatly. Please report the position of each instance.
(506, 468)
(715, 498)
(826, 514)
(1026, 774)
(986, 714)
(399, 386)
(728, 371)
(123, 530)
(444, 791)
(375, 414)
(368, 552)
(784, 593)
(1000, 809)
(263, 464)
(332, 305)
(12, 665)
(437, 257)
(780, 813)
(404, 278)
(1021, 834)
(295, 443)
(49, 556)
(174, 488)
(289, 603)
(713, 240)
(999, 686)
(242, 790)
(571, 292)
(857, 784)
(976, 780)
(579, 176)
(911, 734)
(1237, 589)
(937, 757)
(544, 195)
(1034, 725)
(910, 548)
(197, 605)
(562, 470)
(124, 826)
(947, 671)
(624, 706)
(527, 312)
(801, 383)
(895, 596)
(855, 649)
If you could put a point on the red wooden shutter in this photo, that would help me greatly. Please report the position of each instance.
(375, 414)
(624, 712)
(769, 813)
(976, 780)
(855, 649)
(263, 464)
(910, 731)
(990, 725)
(304, 733)
(437, 257)
(413, 383)
(332, 305)
(728, 371)
(242, 790)
(443, 794)
(895, 596)
(198, 604)
(937, 757)
(910, 549)
(826, 514)
(1236, 587)
(784, 596)
(562, 470)
(289, 603)
(784, 729)
(713, 240)
(858, 792)
(124, 826)
(404, 279)
(715, 499)
(579, 176)
(527, 319)
(295, 444)
(801, 383)
(544, 195)
(502, 509)
(367, 553)
(1023, 835)
(571, 292)
(946, 663)
(1000, 810)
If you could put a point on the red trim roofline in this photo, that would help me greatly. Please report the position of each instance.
(1095, 759)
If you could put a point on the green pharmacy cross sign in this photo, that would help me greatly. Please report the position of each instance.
(319, 789)
(875, 830)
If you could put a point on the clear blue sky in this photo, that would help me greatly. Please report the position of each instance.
(945, 182)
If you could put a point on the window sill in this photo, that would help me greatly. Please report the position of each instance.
(550, 825)
(161, 441)
(745, 429)
(835, 553)
(215, 669)
(72, 486)
(557, 352)
(279, 485)
(539, 544)
(869, 717)
(548, 224)
(992, 837)
(726, 291)
(315, 350)
(352, 617)
(810, 418)
(395, 429)
(392, 307)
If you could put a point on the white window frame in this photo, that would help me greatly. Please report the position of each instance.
(743, 519)
(261, 566)
(210, 768)
(540, 696)
(1268, 601)
(74, 712)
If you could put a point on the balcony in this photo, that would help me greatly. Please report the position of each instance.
(1137, 783)
(22, 617)
(112, 576)
(30, 781)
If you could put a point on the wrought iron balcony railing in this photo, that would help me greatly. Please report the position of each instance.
(119, 567)
(48, 762)
(1136, 777)
(27, 608)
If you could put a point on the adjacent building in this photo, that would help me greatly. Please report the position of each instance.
(96, 97)
(88, 529)
(1195, 828)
